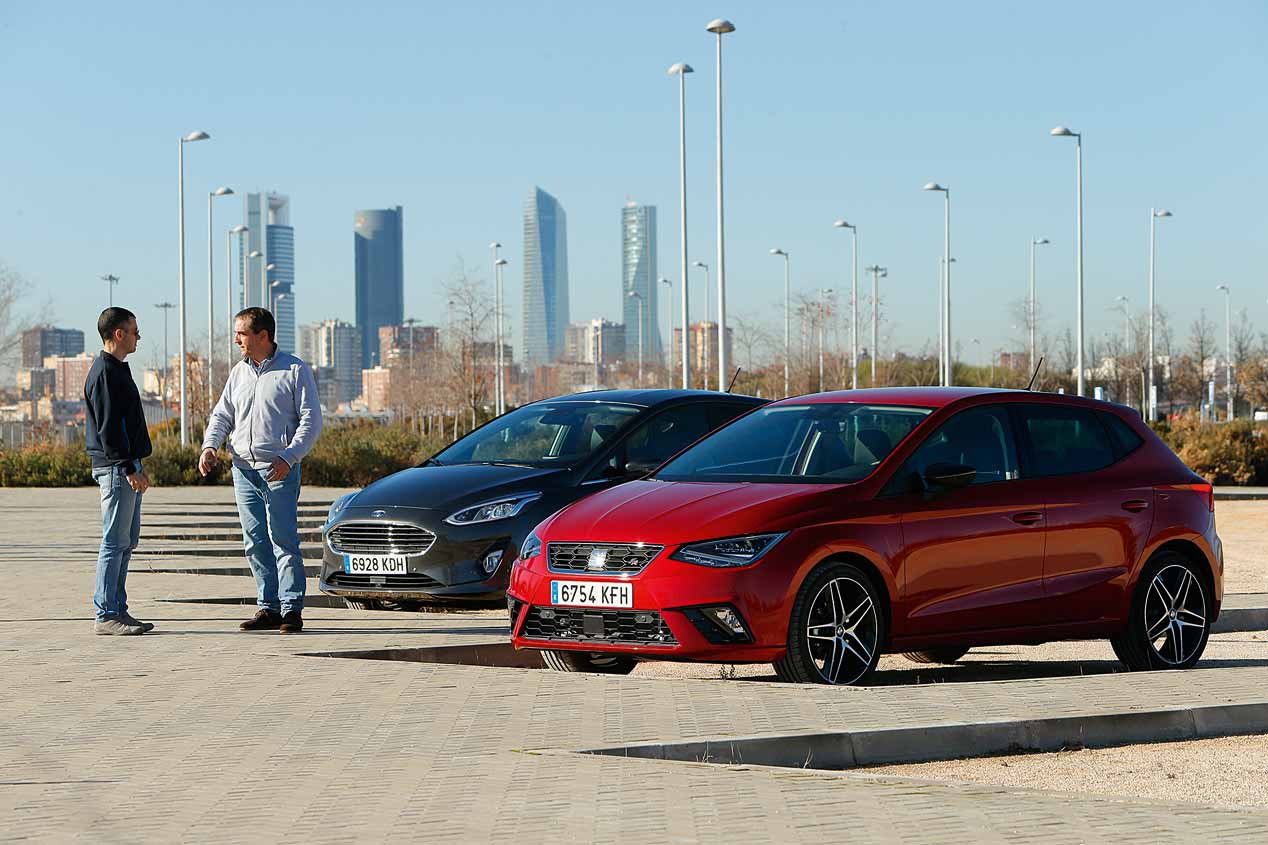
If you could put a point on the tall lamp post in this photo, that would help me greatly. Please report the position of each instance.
(1228, 347)
(636, 295)
(878, 272)
(854, 303)
(669, 306)
(229, 309)
(705, 268)
(1030, 310)
(946, 281)
(681, 70)
(166, 307)
(1065, 132)
(787, 317)
(501, 350)
(111, 280)
(211, 293)
(498, 264)
(721, 27)
(1127, 323)
(180, 194)
(1155, 214)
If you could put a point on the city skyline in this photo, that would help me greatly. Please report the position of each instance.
(379, 281)
(639, 277)
(546, 294)
(846, 119)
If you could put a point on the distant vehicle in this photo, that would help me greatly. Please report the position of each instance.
(1261, 416)
(819, 532)
(449, 529)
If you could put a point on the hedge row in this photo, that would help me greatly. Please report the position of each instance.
(354, 454)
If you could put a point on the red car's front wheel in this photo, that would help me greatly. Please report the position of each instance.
(836, 628)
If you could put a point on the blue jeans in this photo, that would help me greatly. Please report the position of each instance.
(120, 532)
(269, 530)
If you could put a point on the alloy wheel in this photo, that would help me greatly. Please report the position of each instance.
(1175, 614)
(842, 631)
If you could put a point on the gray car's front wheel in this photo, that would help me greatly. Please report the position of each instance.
(593, 661)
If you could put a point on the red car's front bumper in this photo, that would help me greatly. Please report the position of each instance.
(676, 591)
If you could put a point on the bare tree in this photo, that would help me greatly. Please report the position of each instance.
(468, 373)
(13, 289)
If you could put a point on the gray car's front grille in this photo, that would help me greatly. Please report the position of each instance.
(600, 558)
(380, 538)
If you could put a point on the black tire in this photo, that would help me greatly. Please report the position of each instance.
(947, 654)
(589, 661)
(361, 604)
(850, 611)
(1169, 622)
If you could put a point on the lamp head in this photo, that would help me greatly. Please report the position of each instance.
(1223, 288)
(933, 186)
(195, 136)
(1040, 241)
(778, 252)
(495, 245)
(1063, 132)
(222, 192)
(238, 230)
(1162, 212)
(720, 26)
(700, 264)
(841, 224)
(680, 67)
(270, 266)
(501, 262)
(255, 253)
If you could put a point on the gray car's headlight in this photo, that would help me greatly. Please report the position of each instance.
(503, 508)
(732, 551)
(338, 505)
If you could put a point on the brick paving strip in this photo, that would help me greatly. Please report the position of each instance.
(196, 732)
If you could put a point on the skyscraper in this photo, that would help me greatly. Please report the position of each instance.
(333, 349)
(45, 342)
(545, 278)
(638, 275)
(378, 235)
(269, 231)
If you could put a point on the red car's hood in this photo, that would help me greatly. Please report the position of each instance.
(670, 512)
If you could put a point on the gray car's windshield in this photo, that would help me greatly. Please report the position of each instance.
(821, 443)
(543, 434)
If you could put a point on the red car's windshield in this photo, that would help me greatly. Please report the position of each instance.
(824, 443)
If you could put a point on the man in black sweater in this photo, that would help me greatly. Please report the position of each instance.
(117, 441)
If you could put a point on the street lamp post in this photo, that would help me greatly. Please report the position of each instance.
(787, 317)
(229, 309)
(1065, 132)
(947, 372)
(878, 272)
(669, 306)
(498, 264)
(180, 194)
(1154, 216)
(705, 268)
(166, 307)
(1030, 310)
(682, 69)
(111, 280)
(854, 303)
(211, 292)
(636, 295)
(720, 27)
(1228, 347)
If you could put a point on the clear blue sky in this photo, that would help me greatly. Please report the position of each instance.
(455, 111)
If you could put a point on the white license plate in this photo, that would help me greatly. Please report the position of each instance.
(374, 564)
(591, 594)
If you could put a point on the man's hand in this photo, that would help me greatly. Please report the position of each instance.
(278, 470)
(207, 461)
(139, 482)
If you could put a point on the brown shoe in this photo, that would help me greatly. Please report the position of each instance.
(292, 623)
(264, 620)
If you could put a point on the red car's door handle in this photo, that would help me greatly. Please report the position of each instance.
(1027, 517)
(1135, 505)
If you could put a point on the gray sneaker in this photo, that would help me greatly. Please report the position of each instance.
(117, 628)
(146, 626)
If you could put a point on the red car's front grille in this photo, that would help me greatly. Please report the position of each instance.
(601, 558)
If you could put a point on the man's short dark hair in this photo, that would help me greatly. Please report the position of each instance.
(260, 320)
(111, 319)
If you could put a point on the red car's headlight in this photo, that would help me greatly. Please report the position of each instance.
(730, 551)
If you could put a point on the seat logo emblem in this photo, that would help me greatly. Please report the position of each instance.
(378, 513)
(598, 559)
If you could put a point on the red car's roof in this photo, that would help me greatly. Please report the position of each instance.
(925, 397)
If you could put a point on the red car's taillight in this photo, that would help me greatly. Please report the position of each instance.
(1205, 489)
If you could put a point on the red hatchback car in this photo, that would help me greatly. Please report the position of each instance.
(818, 532)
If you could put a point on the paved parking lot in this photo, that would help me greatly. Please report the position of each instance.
(197, 732)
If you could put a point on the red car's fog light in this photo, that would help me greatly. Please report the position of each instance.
(720, 624)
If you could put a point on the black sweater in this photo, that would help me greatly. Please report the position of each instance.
(115, 421)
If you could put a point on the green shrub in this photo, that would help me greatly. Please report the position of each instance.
(1225, 453)
(354, 454)
(45, 465)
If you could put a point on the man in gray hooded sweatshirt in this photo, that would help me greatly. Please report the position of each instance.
(270, 414)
